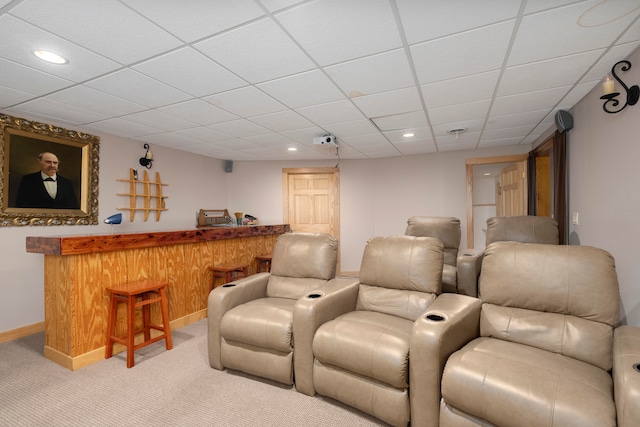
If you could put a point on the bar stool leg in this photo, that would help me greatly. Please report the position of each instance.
(113, 312)
(131, 324)
(146, 317)
(165, 319)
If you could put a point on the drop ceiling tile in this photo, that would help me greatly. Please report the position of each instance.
(515, 120)
(366, 140)
(28, 80)
(159, 120)
(239, 128)
(236, 144)
(269, 140)
(282, 121)
(419, 134)
(415, 147)
(304, 136)
(461, 90)
(123, 128)
(246, 102)
(548, 74)
(57, 110)
(506, 133)
(198, 111)
(455, 113)
(21, 39)
(356, 127)
(301, 90)
(377, 73)
(431, 19)
(184, 69)
(415, 119)
(389, 103)
(203, 134)
(94, 100)
(88, 23)
(470, 126)
(198, 19)
(3, 3)
(580, 91)
(168, 139)
(331, 112)
(631, 35)
(462, 54)
(522, 103)
(556, 33)
(275, 5)
(138, 88)
(533, 6)
(457, 147)
(459, 139)
(257, 52)
(9, 97)
(334, 31)
(603, 67)
(499, 142)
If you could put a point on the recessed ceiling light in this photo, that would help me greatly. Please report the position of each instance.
(487, 174)
(292, 149)
(50, 57)
(408, 135)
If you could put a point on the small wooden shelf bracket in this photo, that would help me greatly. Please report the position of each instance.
(150, 202)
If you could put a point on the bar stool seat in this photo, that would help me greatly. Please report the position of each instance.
(136, 295)
(228, 272)
(264, 263)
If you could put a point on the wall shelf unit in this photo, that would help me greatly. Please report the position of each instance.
(144, 191)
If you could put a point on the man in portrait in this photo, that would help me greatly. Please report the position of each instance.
(46, 188)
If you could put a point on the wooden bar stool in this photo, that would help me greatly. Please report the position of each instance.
(228, 272)
(135, 295)
(264, 263)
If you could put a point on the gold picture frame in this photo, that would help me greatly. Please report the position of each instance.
(21, 141)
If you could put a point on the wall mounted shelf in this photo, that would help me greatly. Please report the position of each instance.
(150, 202)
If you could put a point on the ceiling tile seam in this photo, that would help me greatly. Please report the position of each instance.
(516, 27)
(414, 74)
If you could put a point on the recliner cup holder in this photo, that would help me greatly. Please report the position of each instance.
(435, 317)
(636, 367)
(314, 295)
(229, 285)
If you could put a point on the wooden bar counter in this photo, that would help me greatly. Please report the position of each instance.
(78, 269)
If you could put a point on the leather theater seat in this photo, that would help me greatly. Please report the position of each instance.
(250, 320)
(380, 348)
(547, 344)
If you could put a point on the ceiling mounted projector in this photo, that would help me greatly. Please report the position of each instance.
(326, 140)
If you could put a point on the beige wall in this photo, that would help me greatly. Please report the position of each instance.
(604, 150)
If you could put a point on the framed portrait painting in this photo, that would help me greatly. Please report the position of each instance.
(48, 175)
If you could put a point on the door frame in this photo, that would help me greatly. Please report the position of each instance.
(334, 225)
(470, 163)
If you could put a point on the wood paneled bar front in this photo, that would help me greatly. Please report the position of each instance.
(78, 269)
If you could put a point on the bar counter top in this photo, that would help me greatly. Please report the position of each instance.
(74, 245)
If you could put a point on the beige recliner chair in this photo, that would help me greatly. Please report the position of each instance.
(250, 320)
(523, 229)
(384, 350)
(547, 344)
(459, 273)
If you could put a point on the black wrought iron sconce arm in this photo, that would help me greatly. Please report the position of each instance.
(610, 96)
(147, 160)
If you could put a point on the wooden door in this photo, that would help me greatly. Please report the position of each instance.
(312, 200)
(511, 191)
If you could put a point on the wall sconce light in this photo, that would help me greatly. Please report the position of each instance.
(610, 94)
(113, 219)
(147, 159)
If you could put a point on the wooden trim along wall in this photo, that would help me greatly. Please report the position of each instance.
(24, 331)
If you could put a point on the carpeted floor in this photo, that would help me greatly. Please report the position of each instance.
(164, 388)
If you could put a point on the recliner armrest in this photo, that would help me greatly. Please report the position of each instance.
(626, 375)
(469, 263)
(337, 297)
(447, 325)
(223, 299)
